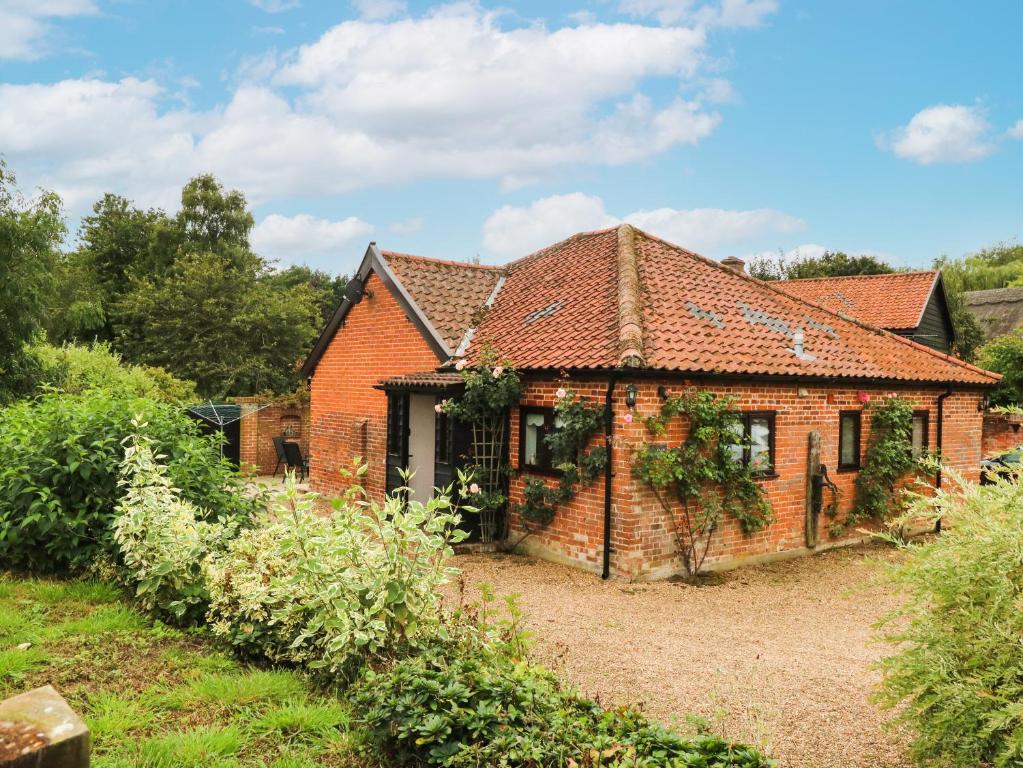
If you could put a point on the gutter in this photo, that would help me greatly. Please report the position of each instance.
(938, 445)
(609, 424)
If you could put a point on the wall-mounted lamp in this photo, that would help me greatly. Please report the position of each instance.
(984, 403)
(662, 392)
(630, 395)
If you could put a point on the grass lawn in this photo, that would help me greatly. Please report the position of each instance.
(157, 697)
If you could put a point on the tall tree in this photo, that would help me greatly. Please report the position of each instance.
(328, 289)
(31, 231)
(828, 264)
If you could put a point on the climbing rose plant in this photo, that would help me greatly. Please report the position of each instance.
(578, 421)
(701, 480)
(492, 386)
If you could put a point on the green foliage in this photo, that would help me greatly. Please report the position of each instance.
(956, 677)
(328, 290)
(473, 699)
(334, 591)
(163, 540)
(492, 386)
(77, 368)
(957, 279)
(1004, 355)
(578, 422)
(828, 264)
(888, 460)
(59, 476)
(30, 234)
(704, 474)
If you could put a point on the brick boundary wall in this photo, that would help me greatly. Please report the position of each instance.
(260, 425)
(1001, 433)
(642, 538)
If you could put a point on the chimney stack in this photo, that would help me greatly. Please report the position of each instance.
(734, 263)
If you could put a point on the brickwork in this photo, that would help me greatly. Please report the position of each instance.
(1001, 433)
(260, 425)
(348, 416)
(643, 543)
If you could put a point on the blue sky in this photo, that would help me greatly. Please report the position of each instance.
(456, 130)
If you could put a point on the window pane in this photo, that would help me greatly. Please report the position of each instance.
(919, 434)
(738, 449)
(847, 435)
(532, 436)
(760, 443)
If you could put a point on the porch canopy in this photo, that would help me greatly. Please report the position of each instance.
(429, 382)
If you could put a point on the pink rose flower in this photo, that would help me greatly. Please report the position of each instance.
(438, 407)
(460, 365)
(561, 394)
(628, 418)
(474, 489)
(498, 371)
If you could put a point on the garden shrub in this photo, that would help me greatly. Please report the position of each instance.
(473, 699)
(333, 591)
(163, 540)
(77, 368)
(957, 676)
(59, 474)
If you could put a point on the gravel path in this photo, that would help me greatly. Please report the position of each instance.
(776, 655)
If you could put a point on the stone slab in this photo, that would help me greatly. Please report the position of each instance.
(38, 729)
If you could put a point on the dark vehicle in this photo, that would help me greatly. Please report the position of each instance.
(1007, 465)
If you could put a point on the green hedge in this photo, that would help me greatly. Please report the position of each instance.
(59, 467)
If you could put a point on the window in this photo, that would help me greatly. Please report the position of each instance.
(849, 423)
(757, 448)
(534, 425)
(442, 432)
(919, 440)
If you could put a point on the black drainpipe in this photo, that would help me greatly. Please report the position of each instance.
(937, 441)
(609, 428)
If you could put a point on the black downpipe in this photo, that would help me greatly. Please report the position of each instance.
(937, 442)
(609, 428)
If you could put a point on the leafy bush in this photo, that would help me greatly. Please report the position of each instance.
(77, 368)
(59, 475)
(889, 459)
(1004, 355)
(473, 699)
(164, 541)
(333, 591)
(959, 669)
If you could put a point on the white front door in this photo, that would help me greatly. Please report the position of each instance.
(421, 445)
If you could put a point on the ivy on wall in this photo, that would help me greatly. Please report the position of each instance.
(703, 479)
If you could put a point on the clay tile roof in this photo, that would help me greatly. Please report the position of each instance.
(896, 301)
(563, 307)
(422, 380)
(999, 310)
(448, 292)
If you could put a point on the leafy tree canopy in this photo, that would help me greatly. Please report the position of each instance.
(1004, 355)
(828, 264)
(31, 231)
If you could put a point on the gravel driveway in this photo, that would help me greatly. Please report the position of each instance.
(776, 655)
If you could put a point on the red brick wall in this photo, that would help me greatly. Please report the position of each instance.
(642, 539)
(260, 425)
(348, 416)
(1001, 433)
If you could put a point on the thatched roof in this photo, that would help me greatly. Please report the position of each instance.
(999, 310)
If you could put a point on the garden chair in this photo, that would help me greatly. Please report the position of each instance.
(293, 454)
(282, 457)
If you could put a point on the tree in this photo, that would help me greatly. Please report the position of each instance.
(969, 334)
(328, 289)
(30, 235)
(828, 264)
(1004, 355)
(217, 315)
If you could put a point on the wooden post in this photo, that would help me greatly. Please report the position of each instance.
(39, 730)
(813, 466)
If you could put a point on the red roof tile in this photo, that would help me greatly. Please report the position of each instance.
(449, 293)
(896, 301)
(559, 308)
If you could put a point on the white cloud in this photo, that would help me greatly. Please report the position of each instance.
(377, 10)
(725, 13)
(511, 231)
(408, 226)
(26, 25)
(944, 133)
(452, 94)
(296, 238)
(1016, 132)
(275, 6)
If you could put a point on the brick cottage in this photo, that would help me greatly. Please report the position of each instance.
(624, 317)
